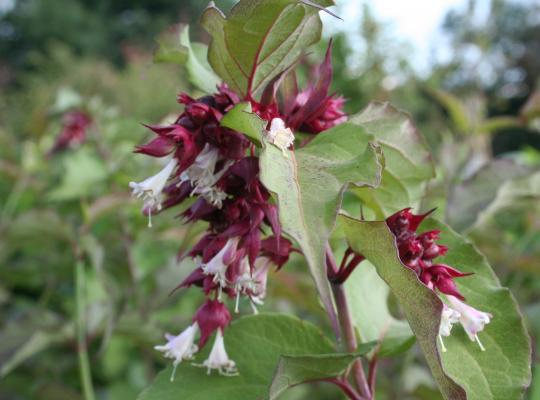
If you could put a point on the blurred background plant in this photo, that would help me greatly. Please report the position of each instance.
(75, 253)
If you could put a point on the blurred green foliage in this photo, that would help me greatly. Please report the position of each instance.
(96, 56)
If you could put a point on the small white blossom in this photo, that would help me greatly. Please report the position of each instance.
(260, 276)
(151, 189)
(218, 358)
(472, 320)
(449, 316)
(244, 282)
(202, 177)
(218, 265)
(181, 347)
(252, 284)
(280, 135)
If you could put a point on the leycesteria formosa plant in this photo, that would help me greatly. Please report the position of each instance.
(265, 164)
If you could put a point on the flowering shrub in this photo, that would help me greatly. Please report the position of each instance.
(265, 166)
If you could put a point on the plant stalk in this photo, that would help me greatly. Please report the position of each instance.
(84, 362)
(347, 328)
(349, 335)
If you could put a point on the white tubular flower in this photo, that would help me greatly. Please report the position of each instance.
(243, 282)
(181, 347)
(151, 188)
(260, 276)
(218, 358)
(472, 320)
(202, 177)
(279, 135)
(218, 265)
(449, 316)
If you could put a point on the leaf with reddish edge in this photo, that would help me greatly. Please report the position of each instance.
(259, 40)
(502, 372)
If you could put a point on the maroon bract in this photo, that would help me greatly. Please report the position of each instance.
(211, 316)
(313, 110)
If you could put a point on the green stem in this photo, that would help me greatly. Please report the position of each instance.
(84, 362)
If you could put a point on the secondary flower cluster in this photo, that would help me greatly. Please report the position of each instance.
(418, 252)
(75, 124)
(219, 168)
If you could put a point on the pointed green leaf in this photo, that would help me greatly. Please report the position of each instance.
(368, 301)
(294, 370)
(256, 344)
(408, 163)
(502, 372)
(259, 39)
(309, 185)
(242, 119)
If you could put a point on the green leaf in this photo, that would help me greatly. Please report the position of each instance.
(309, 185)
(512, 193)
(170, 50)
(83, 172)
(294, 370)
(502, 372)
(259, 40)
(177, 48)
(408, 163)
(242, 119)
(468, 199)
(256, 344)
(28, 335)
(368, 300)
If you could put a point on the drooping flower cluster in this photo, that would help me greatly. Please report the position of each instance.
(219, 168)
(75, 124)
(418, 252)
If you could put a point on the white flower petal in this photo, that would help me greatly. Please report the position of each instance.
(151, 188)
(472, 320)
(180, 347)
(218, 358)
(279, 135)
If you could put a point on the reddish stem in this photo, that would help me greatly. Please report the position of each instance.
(372, 375)
(346, 387)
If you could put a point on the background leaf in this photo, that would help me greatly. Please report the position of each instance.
(176, 48)
(513, 192)
(259, 39)
(84, 172)
(408, 163)
(256, 344)
(468, 199)
(464, 372)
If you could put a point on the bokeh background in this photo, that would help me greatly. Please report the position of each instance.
(74, 248)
